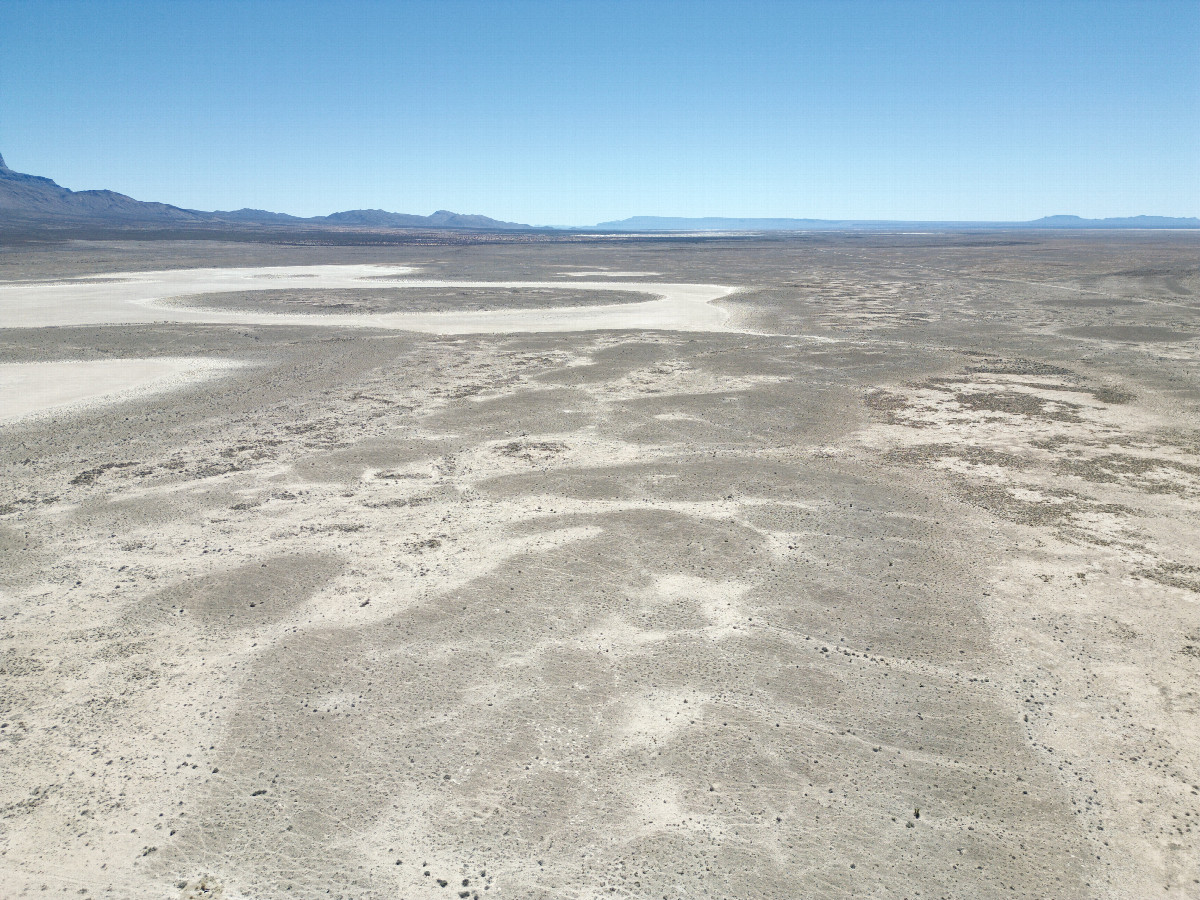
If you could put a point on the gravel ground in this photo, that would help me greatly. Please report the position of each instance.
(890, 588)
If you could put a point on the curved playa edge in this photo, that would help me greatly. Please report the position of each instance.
(143, 297)
(30, 390)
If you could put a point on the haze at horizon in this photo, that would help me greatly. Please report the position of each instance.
(571, 114)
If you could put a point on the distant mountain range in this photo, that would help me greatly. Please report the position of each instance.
(1119, 222)
(370, 218)
(34, 200)
(716, 223)
(31, 200)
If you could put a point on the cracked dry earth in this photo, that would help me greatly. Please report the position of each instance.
(892, 589)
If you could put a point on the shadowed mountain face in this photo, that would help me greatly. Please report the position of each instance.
(34, 200)
(379, 218)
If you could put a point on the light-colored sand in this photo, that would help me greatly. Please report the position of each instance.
(137, 298)
(30, 389)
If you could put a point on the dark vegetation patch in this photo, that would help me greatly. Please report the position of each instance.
(1176, 575)
(1018, 366)
(1018, 404)
(1112, 468)
(1113, 395)
(533, 451)
(887, 404)
(89, 476)
(993, 496)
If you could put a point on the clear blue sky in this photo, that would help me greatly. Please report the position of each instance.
(573, 112)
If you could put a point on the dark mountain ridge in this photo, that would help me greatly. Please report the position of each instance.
(33, 200)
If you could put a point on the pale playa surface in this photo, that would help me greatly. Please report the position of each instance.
(129, 298)
(27, 389)
(894, 593)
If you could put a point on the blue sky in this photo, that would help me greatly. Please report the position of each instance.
(572, 112)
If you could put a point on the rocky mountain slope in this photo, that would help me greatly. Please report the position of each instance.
(35, 200)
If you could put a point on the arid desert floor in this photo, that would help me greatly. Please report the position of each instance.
(794, 566)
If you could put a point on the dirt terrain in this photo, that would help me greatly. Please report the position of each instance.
(884, 582)
(384, 300)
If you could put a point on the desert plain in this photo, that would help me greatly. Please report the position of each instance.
(736, 566)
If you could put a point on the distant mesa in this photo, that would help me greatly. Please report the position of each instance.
(1118, 222)
(717, 223)
(31, 200)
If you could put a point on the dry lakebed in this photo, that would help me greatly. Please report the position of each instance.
(744, 566)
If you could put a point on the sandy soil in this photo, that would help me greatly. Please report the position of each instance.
(884, 581)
